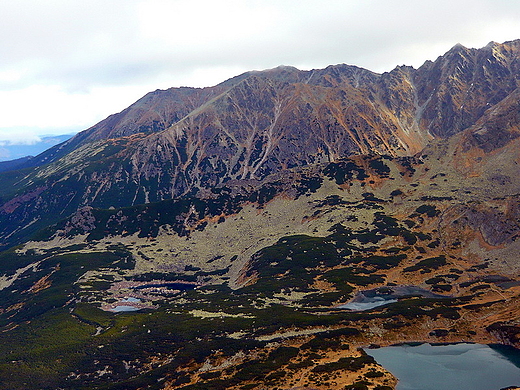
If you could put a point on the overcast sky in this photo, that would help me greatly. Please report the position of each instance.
(65, 65)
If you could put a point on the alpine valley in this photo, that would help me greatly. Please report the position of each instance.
(256, 234)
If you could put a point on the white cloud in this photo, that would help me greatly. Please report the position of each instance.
(43, 106)
(68, 64)
(17, 136)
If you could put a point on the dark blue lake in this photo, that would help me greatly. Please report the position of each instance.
(450, 367)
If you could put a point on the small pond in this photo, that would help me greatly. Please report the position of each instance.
(453, 366)
(126, 304)
(367, 303)
(124, 308)
(369, 299)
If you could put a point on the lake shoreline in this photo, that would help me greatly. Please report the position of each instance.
(450, 365)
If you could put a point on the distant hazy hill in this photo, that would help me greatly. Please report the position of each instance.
(15, 152)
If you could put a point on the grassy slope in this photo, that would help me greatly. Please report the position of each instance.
(363, 227)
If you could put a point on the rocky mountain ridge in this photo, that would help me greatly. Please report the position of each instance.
(174, 142)
(257, 233)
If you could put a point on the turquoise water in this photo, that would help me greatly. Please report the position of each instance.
(121, 308)
(450, 367)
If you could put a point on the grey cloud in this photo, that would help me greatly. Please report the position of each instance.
(85, 44)
(82, 45)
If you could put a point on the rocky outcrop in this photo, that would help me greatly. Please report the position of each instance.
(507, 334)
(456, 89)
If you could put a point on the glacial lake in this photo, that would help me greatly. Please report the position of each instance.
(367, 304)
(370, 299)
(452, 366)
(123, 308)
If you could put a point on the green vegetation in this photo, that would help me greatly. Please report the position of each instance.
(56, 336)
(42, 351)
(289, 264)
(427, 265)
(341, 277)
(348, 363)
(382, 262)
(429, 210)
(343, 171)
(49, 284)
(379, 167)
(417, 307)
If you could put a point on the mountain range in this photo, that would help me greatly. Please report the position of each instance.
(171, 143)
(231, 224)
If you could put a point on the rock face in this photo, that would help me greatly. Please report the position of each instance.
(460, 86)
(172, 143)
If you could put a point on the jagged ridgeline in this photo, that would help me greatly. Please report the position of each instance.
(172, 143)
(256, 233)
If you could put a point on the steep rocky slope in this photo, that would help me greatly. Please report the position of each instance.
(174, 142)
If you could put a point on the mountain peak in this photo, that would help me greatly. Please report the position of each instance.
(458, 46)
(457, 49)
(287, 68)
